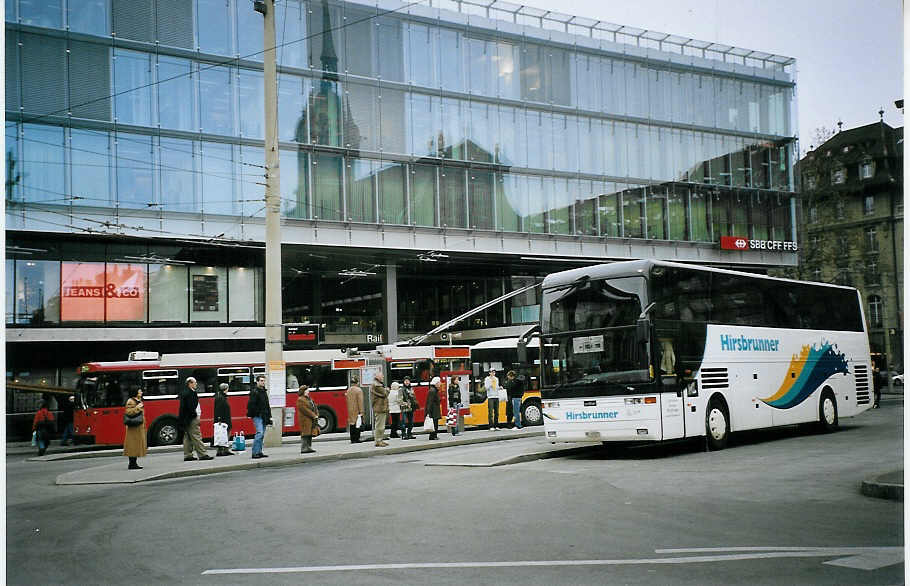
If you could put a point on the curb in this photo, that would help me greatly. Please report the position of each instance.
(877, 488)
(295, 460)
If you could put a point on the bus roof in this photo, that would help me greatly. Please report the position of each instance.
(504, 343)
(643, 267)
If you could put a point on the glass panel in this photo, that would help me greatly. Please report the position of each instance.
(422, 54)
(452, 197)
(90, 153)
(657, 202)
(721, 218)
(481, 185)
(536, 221)
(44, 13)
(135, 171)
(451, 140)
(294, 196)
(82, 287)
(565, 142)
(560, 85)
(533, 67)
(178, 183)
(42, 165)
(423, 195)
(513, 150)
(609, 209)
(698, 216)
(208, 291)
(592, 147)
(250, 44)
(252, 104)
(392, 121)
(251, 180)
(132, 87)
(359, 40)
(216, 100)
(481, 132)
(361, 205)
(510, 203)
(480, 66)
(217, 178)
(10, 266)
(585, 206)
(13, 164)
(425, 122)
(213, 31)
(613, 88)
(632, 204)
(540, 140)
(125, 292)
(617, 134)
(505, 68)
(327, 187)
(393, 205)
(37, 291)
(676, 201)
(290, 37)
(391, 48)
(325, 36)
(176, 94)
(245, 294)
(740, 213)
(559, 205)
(168, 293)
(760, 214)
(780, 219)
(91, 17)
(325, 113)
(450, 60)
(293, 93)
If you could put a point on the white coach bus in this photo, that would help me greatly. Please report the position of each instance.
(651, 351)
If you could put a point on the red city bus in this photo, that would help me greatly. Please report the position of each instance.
(103, 387)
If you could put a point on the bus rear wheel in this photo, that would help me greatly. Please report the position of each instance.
(717, 425)
(165, 433)
(827, 412)
(531, 414)
(325, 420)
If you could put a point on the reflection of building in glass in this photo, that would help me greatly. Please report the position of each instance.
(447, 157)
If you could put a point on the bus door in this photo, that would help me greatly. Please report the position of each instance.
(672, 392)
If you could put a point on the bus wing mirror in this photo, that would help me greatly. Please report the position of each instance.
(643, 330)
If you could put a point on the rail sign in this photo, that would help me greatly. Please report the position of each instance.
(743, 243)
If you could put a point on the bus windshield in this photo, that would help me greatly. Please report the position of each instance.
(590, 345)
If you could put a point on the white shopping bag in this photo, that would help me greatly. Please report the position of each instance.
(359, 423)
(221, 434)
(428, 424)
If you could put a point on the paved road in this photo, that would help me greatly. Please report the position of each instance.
(776, 507)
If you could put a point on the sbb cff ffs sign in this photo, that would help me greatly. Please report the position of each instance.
(741, 243)
(300, 336)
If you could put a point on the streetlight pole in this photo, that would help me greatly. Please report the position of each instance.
(274, 355)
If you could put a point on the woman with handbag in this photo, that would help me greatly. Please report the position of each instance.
(42, 425)
(222, 426)
(432, 409)
(307, 417)
(134, 443)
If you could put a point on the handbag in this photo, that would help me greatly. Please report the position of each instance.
(315, 431)
(34, 438)
(133, 420)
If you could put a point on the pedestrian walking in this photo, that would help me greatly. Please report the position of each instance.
(491, 386)
(307, 418)
(188, 422)
(354, 398)
(258, 409)
(408, 404)
(515, 390)
(379, 397)
(432, 409)
(222, 421)
(394, 409)
(66, 420)
(134, 442)
(43, 426)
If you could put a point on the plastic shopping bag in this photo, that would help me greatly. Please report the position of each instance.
(221, 434)
(359, 423)
(34, 438)
(428, 424)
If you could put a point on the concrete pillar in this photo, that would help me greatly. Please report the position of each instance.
(390, 295)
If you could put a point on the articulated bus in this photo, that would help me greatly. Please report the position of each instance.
(102, 387)
(650, 351)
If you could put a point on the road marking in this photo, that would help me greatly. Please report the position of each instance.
(745, 553)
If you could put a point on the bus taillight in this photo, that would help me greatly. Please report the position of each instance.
(650, 400)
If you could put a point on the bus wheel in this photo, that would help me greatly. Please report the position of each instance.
(531, 414)
(165, 433)
(717, 425)
(325, 421)
(827, 411)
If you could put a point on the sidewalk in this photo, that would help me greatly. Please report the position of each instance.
(889, 485)
(167, 462)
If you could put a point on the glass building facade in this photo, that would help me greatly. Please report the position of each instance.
(144, 118)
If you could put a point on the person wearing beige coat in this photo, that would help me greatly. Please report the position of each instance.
(134, 443)
(354, 398)
(307, 415)
(380, 400)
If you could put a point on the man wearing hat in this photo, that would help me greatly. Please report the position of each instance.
(491, 386)
(380, 401)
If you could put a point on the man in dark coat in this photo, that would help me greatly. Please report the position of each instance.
(432, 408)
(223, 417)
(188, 421)
(260, 412)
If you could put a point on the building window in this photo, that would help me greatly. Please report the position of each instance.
(811, 181)
(867, 170)
(871, 239)
(839, 176)
(872, 276)
(843, 277)
(840, 208)
(875, 311)
(817, 274)
(869, 205)
(843, 243)
(813, 215)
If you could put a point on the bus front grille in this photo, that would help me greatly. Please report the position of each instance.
(861, 374)
(715, 378)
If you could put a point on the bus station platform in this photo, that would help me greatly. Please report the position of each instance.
(167, 462)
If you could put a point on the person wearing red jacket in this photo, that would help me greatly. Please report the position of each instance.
(43, 425)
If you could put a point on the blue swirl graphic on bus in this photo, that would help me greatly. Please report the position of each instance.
(808, 370)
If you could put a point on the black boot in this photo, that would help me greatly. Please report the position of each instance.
(133, 465)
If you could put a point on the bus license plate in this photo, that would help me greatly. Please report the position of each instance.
(592, 435)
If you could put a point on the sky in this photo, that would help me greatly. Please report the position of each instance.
(849, 53)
